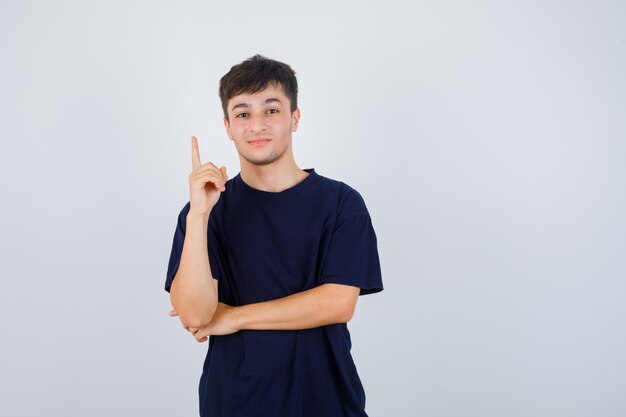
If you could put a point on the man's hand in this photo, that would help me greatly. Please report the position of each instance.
(206, 182)
(223, 322)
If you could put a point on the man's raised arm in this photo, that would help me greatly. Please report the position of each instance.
(193, 292)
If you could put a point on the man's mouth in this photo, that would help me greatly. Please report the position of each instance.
(258, 141)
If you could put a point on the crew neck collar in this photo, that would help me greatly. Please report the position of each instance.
(277, 194)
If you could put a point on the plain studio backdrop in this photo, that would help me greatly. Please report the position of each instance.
(488, 140)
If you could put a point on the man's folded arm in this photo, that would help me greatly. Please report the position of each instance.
(319, 306)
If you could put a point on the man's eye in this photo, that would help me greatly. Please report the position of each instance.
(242, 115)
(273, 110)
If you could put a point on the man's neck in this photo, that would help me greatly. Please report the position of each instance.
(272, 178)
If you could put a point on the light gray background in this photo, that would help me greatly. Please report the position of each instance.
(487, 138)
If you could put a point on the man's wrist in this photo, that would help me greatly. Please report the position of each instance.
(239, 317)
(193, 215)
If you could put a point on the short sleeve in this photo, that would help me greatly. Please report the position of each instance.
(177, 249)
(352, 255)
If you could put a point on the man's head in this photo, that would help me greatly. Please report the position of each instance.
(260, 110)
(255, 74)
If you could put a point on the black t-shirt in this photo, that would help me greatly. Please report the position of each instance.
(268, 245)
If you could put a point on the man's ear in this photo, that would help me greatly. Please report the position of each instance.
(295, 119)
(227, 127)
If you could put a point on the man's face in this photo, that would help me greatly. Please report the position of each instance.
(261, 125)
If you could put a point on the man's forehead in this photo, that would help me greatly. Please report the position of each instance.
(260, 97)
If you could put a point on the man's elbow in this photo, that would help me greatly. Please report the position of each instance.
(197, 320)
(348, 306)
(346, 313)
(344, 298)
(195, 317)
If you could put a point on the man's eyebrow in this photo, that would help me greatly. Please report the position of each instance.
(246, 105)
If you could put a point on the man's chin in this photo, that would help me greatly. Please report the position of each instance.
(262, 162)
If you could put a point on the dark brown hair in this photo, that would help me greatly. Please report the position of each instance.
(255, 74)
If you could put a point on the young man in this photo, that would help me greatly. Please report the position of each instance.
(267, 266)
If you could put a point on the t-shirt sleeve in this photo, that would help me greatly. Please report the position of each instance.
(177, 248)
(352, 255)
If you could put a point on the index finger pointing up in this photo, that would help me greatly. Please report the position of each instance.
(195, 154)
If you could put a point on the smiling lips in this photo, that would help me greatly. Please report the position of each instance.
(258, 141)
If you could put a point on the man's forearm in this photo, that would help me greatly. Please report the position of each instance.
(319, 306)
(193, 293)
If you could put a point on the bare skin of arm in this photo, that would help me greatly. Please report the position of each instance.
(193, 293)
(319, 306)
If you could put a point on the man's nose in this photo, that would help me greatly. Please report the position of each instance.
(257, 124)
